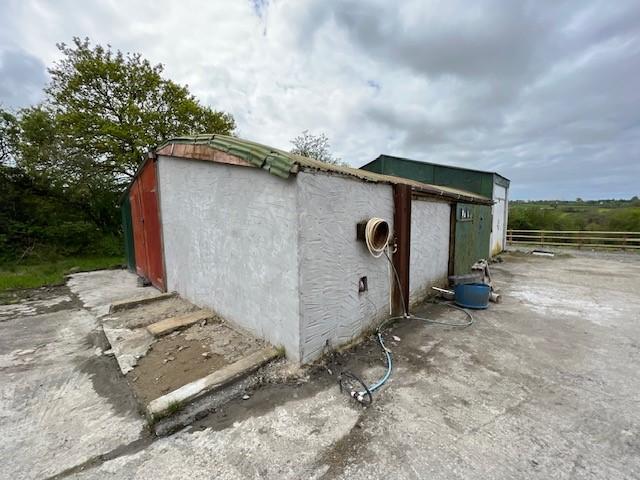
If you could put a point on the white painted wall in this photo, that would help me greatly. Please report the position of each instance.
(231, 244)
(280, 257)
(332, 260)
(429, 257)
(499, 222)
(506, 219)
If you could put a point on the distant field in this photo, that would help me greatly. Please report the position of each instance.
(602, 215)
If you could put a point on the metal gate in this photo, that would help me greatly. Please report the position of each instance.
(143, 197)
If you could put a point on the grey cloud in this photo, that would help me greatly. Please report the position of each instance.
(544, 94)
(470, 44)
(416, 129)
(22, 77)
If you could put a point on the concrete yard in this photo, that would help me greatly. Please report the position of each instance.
(61, 402)
(543, 385)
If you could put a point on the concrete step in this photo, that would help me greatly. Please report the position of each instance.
(181, 407)
(168, 325)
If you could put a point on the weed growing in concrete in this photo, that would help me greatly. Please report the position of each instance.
(174, 407)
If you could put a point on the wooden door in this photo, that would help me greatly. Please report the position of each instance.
(472, 236)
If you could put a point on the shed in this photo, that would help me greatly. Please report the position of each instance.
(489, 234)
(269, 240)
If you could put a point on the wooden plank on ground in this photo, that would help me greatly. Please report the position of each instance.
(168, 325)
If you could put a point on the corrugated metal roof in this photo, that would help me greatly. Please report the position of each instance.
(282, 164)
(273, 160)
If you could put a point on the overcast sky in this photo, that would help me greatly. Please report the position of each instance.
(545, 93)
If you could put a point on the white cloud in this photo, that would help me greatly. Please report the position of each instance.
(546, 94)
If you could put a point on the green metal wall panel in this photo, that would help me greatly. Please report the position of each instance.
(421, 173)
(127, 230)
(464, 180)
(500, 180)
(470, 180)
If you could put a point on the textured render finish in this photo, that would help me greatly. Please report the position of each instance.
(230, 242)
(332, 260)
(499, 222)
(429, 259)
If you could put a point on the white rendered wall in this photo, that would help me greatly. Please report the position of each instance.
(332, 260)
(230, 242)
(499, 222)
(429, 257)
(506, 218)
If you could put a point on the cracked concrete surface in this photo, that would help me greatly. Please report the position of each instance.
(544, 385)
(60, 403)
(279, 444)
(98, 290)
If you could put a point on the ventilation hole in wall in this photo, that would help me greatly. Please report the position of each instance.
(362, 285)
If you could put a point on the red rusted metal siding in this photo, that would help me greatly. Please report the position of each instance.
(146, 226)
(402, 227)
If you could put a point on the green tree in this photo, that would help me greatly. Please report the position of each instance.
(64, 164)
(37, 146)
(8, 136)
(113, 107)
(625, 220)
(314, 146)
(60, 170)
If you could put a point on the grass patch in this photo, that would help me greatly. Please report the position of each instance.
(174, 407)
(34, 275)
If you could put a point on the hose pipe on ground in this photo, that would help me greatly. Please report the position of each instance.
(377, 237)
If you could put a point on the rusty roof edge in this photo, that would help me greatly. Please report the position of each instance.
(282, 164)
(275, 161)
(477, 199)
(423, 188)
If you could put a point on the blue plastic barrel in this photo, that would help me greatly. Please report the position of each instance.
(472, 295)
